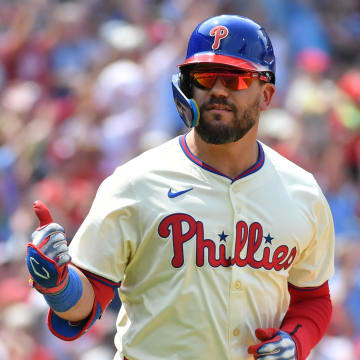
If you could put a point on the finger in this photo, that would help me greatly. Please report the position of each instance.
(263, 349)
(285, 354)
(253, 349)
(283, 349)
(266, 334)
(268, 349)
(42, 234)
(63, 259)
(42, 212)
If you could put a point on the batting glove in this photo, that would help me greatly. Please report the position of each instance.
(275, 345)
(47, 256)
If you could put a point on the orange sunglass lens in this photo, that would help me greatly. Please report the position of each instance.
(231, 81)
(240, 83)
(205, 80)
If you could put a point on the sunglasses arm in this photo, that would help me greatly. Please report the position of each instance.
(187, 108)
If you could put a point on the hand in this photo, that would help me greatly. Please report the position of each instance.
(275, 345)
(47, 256)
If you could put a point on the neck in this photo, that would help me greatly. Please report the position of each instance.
(230, 159)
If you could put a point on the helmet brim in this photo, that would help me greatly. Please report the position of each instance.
(212, 58)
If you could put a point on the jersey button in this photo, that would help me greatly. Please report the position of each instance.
(237, 284)
(236, 332)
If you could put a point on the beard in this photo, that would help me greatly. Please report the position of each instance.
(214, 131)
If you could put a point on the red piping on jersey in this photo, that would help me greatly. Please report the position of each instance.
(100, 279)
(259, 163)
(321, 288)
(194, 159)
(257, 166)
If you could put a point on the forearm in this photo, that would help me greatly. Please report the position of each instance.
(308, 317)
(82, 309)
(98, 293)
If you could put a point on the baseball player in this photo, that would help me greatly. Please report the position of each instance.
(220, 248)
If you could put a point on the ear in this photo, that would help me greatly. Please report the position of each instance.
(268, 91)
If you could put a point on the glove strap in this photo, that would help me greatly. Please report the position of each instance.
(68, 296)
(56, 289)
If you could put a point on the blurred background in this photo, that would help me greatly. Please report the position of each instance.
(85, 86)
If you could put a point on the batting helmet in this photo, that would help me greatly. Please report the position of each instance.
(228, 40)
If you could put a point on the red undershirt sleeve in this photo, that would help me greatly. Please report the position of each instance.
(308, 317)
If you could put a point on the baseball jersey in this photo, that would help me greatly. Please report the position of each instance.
(203, 259)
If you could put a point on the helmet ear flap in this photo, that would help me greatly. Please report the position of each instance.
(187, 107)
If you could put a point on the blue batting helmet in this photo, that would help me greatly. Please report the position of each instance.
(231, 40)
(227, 40)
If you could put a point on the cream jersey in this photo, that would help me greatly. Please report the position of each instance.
(203, 259)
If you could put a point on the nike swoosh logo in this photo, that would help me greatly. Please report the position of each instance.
(175, 194)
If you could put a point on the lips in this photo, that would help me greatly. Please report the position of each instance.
(219, 107)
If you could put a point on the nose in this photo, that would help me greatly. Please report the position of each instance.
(219, 89)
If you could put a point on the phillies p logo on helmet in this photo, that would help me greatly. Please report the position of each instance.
(218, 32)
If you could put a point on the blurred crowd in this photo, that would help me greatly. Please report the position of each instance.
(85, 86)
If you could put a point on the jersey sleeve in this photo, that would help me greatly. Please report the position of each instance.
(315, 264)
(108, 237)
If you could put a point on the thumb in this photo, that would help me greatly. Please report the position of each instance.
(42, 212)
(266, 334)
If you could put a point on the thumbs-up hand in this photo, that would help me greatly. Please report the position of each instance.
(47, 255)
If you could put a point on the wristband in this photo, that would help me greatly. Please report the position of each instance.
(68, 297)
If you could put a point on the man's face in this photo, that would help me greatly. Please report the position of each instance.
(226, 115)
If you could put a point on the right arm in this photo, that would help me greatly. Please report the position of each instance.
(76, 298)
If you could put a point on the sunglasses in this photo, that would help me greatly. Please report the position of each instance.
(231, 80)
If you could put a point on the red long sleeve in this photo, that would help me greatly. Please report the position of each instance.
(308, 317)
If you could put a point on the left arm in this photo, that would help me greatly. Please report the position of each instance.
(309, 312)
(308, 317)
(304, 324)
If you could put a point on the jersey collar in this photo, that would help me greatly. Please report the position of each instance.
(252, 169)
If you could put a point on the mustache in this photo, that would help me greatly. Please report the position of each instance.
(217, 101)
